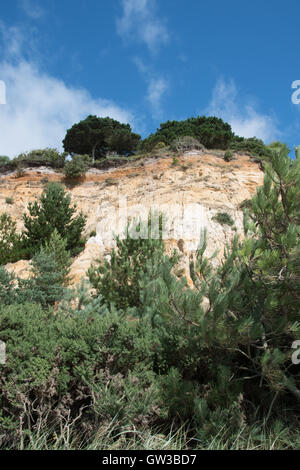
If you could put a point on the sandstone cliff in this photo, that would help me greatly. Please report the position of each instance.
(190, 192)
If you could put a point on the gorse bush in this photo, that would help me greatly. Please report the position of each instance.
(69, 367)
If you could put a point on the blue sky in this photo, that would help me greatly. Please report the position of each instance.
(144, 62)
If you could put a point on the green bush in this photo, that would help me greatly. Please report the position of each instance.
(253, 146)
(228, 156)
(9, 240)
(118, 280)
(183, 144)
(224, 219)
(77, 167)
(246, 204)
(9, 200)
(211, 132)
(53, 211)
(7, 287)
(4, 160)
(42, 157)
(73, 366)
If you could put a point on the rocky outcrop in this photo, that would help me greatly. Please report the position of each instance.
(190, 192)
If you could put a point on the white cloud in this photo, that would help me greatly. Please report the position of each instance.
(244, 119)
(39, 108)
(139, 21)
(157, 86)
(32, 9)
(156, 90)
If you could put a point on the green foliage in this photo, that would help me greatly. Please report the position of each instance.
(123, 141)
(278, 147)
(53, 211)
(118, 280)
(45, 287)
(69, 366)
(183, 144)
(96, 136)
(228, 156)
(77, 167)
(224, 219)
(7, 287)
(9, 240)
(212, 354)
(3, 160)
(246, 204)
(43, 157)
(211, 132)
(254, 146)
(9, 200)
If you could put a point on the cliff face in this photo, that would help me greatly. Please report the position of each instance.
(190, 193)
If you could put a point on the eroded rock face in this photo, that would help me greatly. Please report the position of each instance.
(190, 194)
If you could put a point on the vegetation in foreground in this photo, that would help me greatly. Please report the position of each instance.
(145, 361)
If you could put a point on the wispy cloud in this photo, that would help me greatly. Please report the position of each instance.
(32, 9)
(139, 21)
(245, 120)
(157, 87)
(40, 108)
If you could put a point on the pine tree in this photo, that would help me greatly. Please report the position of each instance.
(118, 279)
(50, 269)
(54, 211)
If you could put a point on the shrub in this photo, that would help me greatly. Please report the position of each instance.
(4, 160)
(228, 156)
(211, 132)
(53, 211)
(111, 182)
(77, 167)
(246, 204)
(118, 279)
(9, 240)
(252, 146)
(42, 157)
(7, 287)
(183, 144)
(9, 200)
(90, 368)
(224, 219)
(20, 172)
